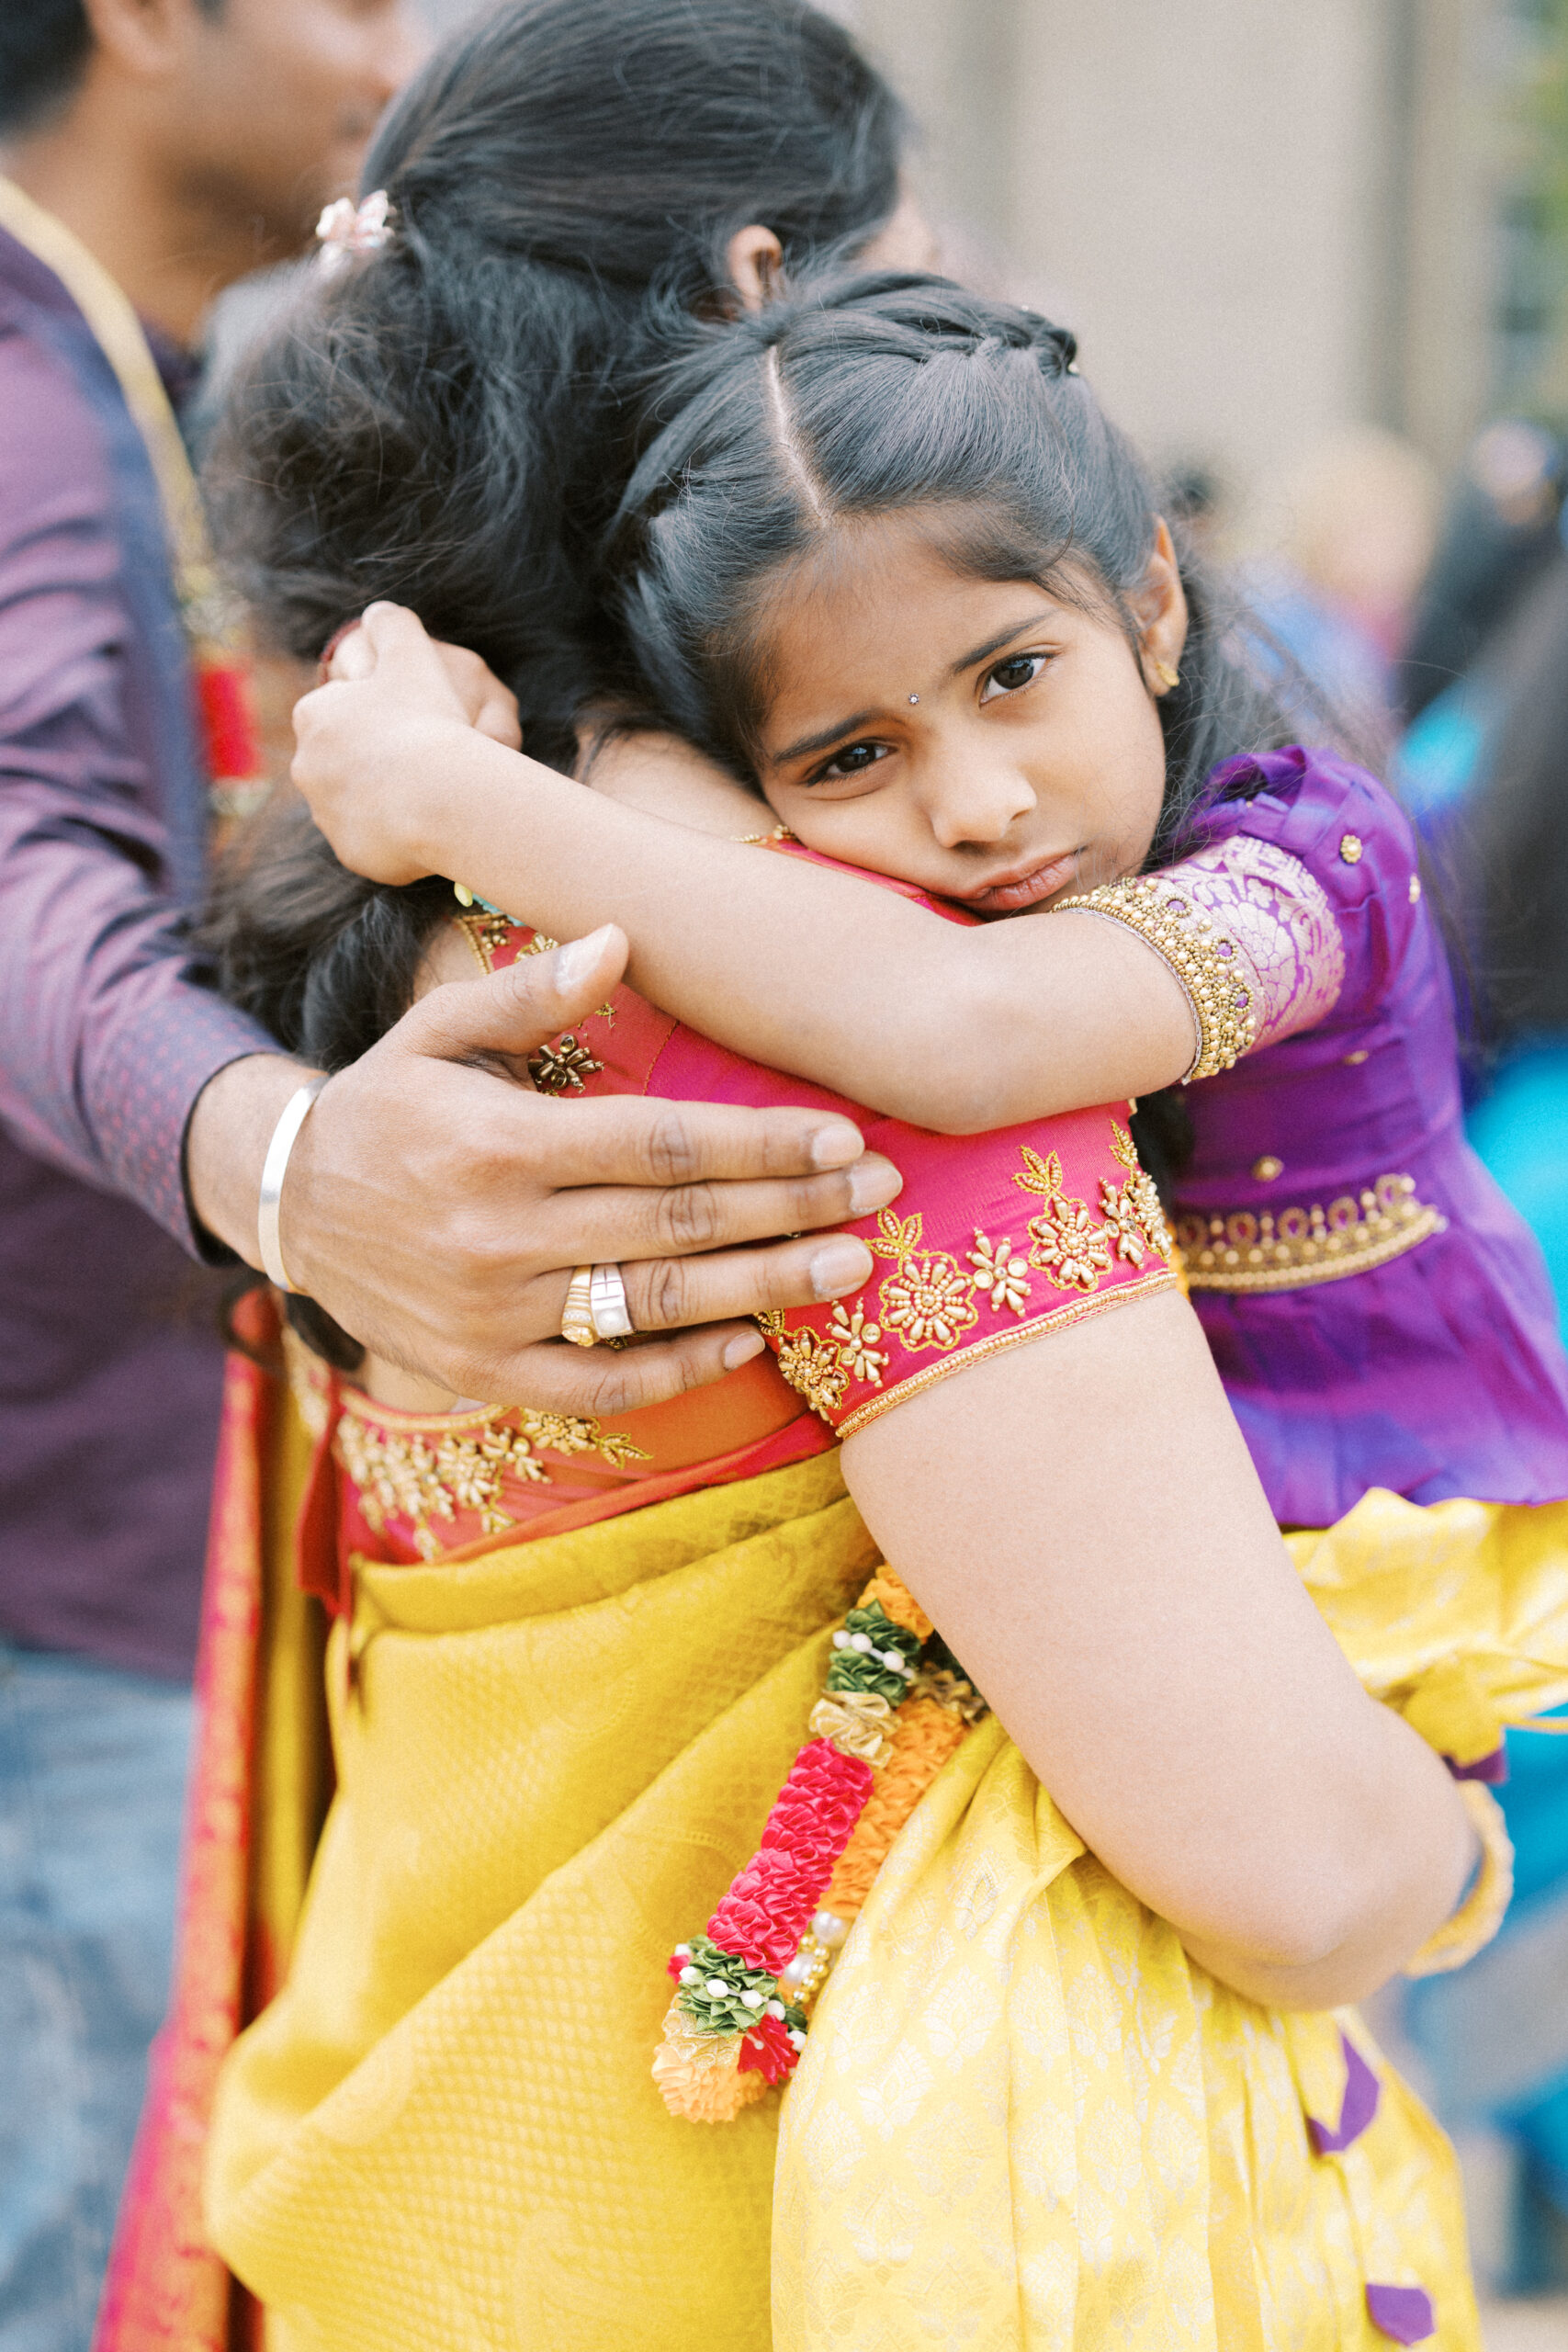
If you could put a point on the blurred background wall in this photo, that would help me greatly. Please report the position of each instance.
(1267, 224)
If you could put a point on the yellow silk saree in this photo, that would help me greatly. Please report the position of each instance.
(1023, 2118)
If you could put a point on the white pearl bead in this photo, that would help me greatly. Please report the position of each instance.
(830, 1929)
(718, 1989)
(682, 1952)
(861, 1642)
(775, 2010)
(840, 1640)
(752, 1998)
(796, 1972)
(690, 1976)
(796, 2036)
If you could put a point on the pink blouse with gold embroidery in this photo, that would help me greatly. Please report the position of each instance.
(995, 1240)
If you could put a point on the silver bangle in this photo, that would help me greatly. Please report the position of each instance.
(274, 1169)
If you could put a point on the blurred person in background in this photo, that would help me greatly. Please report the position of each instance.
(1497, 2034)
(1337, 595)
(1499, 539)
(176, 146)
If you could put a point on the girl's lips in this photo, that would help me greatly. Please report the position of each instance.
(1025, 889)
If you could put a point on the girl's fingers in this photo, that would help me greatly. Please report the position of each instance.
(354, 657)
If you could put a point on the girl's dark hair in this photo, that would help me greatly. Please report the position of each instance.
(885, 394)
(440, 424)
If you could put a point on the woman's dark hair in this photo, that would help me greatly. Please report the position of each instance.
(888, 394)
(325, 960)
(440, 424)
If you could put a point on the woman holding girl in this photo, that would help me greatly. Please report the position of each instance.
(1072, 2077)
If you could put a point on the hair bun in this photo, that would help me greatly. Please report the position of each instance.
(1057, 347)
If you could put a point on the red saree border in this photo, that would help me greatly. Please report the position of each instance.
(165, 2290)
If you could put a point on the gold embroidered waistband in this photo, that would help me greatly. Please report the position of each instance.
(1288, 1249)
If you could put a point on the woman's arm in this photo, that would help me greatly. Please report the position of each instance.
(1081, 1517)
(955, 1028)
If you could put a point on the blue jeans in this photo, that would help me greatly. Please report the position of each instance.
(92, 1793)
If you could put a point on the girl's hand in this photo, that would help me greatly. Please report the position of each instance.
(372, 743)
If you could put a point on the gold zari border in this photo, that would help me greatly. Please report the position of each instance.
(1207, 964)
(1294, 1247)
(1076, 1310)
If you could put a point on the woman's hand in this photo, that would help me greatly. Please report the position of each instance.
(373, 742)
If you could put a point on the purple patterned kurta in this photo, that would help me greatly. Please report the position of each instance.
(110, 1358)
(1379, 1313)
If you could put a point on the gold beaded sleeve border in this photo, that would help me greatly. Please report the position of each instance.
(1075, 1311)
(1214, 974)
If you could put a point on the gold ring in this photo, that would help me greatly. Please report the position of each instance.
(577, 1314)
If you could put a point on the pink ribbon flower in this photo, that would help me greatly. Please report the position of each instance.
(345, 229)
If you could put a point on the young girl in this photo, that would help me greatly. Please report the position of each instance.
(891, 562)
(1031, 2110)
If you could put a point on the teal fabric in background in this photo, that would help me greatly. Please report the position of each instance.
(1521, 1133)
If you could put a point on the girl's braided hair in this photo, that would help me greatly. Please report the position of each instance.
(885, 394)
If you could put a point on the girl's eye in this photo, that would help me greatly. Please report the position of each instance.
(854, 759)
(1010, 677)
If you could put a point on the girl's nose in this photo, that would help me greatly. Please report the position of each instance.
(978, 805)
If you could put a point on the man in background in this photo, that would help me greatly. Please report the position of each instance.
(183, 145)
(150, 152)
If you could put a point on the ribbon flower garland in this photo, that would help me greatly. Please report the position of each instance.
(893, 1712)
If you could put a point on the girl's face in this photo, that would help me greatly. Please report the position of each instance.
(982, 740)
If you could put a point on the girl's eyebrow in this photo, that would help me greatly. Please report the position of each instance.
(828, 736)
(994, 644)
(821, 741)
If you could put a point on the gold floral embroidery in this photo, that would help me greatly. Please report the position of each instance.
(424, 1476)
(1003, 1277)
(1290, 1248)
(1135, 1221)
(486, 934)
(564, 1066)
(855, 1339)
(928, 1300)
(812, 1368)
(1065, 1241)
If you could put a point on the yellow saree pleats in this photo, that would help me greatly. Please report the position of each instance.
(1024, 2121)
(446, 2132)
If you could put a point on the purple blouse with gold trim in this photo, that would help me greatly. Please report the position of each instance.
(1379, 1313)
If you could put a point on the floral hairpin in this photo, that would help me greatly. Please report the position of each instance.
(345, 229)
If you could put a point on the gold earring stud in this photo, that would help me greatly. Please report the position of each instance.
(1167, 676)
